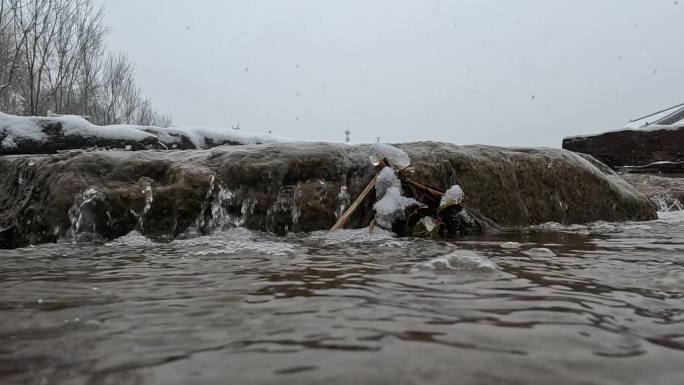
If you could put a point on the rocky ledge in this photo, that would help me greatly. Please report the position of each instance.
(637, 147)
(651, 158)
(289, 187)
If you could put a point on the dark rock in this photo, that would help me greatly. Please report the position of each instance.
(288, 187)
(631, 147)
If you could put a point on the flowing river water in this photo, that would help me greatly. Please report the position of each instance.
(596, 304)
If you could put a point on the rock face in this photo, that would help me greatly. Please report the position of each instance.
(288, 187)
(632, 147)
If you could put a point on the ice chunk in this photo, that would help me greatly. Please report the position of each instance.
(453, 196)
(386, 178)
(398, 157)
(429, 223)
(392, 207)
(392, 204)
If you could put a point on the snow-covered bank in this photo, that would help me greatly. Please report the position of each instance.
(34, 135)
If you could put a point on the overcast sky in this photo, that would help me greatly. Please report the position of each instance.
(524, 73)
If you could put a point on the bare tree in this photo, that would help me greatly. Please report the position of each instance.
(52, 57)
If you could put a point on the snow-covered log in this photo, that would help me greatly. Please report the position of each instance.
(41, 135)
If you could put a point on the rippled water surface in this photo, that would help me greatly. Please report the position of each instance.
(599, 304)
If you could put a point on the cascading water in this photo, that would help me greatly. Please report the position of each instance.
(668, 203)
(221, 218)
(149, 199)
(83, 214)
(226, 209)
(343, 201)
(279, 217)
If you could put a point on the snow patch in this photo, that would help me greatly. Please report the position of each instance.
(8, 142)
(18, 126)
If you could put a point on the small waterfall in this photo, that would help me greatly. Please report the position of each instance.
(280, 216)
(296, 203)
(85, 213)
(343, 201)
(227, 209)
(668, 203)
(221, 217)
(149, 199)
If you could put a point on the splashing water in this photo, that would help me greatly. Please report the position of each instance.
(149, 199)
(458, 261)
(82, 213)
(668, 203)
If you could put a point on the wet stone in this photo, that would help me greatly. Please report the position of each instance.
(296, 187)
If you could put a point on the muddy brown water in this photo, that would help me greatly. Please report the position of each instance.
(597, 304)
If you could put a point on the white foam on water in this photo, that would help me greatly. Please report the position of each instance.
(134, 238)
(459, 262)
(235, 246)
(671, 216)
(350, 236)
(599, 227)
(539, 252)
(510, 245)
(237, 240)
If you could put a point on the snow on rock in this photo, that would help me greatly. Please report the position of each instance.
(391, 205)
(30, 134)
